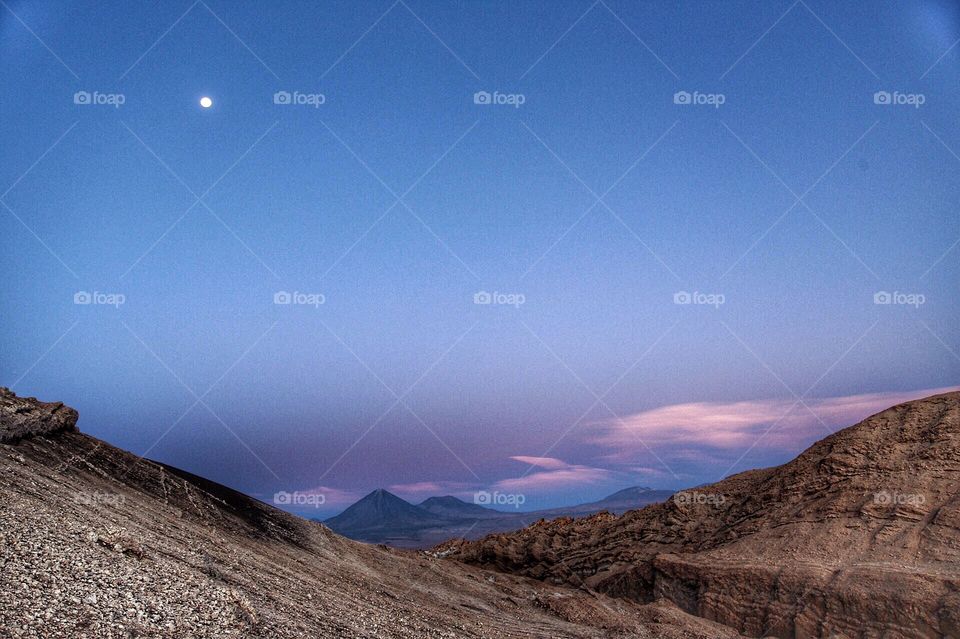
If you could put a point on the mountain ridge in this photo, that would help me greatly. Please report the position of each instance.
(867, 516)
(450, 506)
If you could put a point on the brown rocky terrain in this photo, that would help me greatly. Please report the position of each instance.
(859, 536)
(97, 543)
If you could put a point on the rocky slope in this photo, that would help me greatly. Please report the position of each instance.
(859, 536)
(97, 543)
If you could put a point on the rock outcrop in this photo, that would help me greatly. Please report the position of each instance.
(25, 416)
(859, 536)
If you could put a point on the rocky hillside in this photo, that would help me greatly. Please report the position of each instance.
(97, 543)
(859, 536)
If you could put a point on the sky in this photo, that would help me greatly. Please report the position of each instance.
(549, 249)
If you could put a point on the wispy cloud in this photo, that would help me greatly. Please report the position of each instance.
(556, 474)
(701, 427)
(417, 487)
(550, 463)
(422, 489)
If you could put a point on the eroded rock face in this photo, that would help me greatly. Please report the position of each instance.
(859, 536)
(26, 416)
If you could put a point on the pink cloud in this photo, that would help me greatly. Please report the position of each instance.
(556, 474)
(682, 428)
(551, 463)
(416, 487)
(417, 491)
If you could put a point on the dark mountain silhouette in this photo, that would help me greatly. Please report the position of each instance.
(381, 517)
(450, 507)
(617, 503)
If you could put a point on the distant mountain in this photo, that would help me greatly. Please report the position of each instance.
(382, 514)
(634, 492)
(617, 503)
(382, 517)
(450, 507)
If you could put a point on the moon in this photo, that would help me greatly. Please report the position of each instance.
(206, 102)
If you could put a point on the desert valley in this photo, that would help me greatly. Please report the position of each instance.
(858, 537)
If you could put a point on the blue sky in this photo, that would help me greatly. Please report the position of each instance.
(778, 203)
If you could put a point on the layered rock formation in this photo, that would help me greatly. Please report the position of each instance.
(859, 536)
(22, 417)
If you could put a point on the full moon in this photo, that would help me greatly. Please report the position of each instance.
(206, 102)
